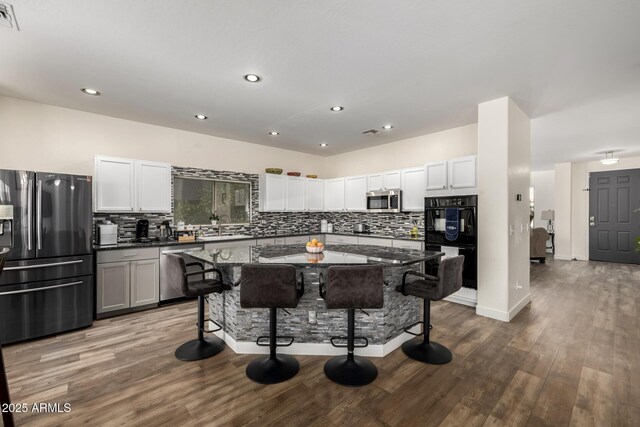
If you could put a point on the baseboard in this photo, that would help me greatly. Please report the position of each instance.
(316, 349)
(492, 313)
(519, 306)
(465, 296)
(562, 257)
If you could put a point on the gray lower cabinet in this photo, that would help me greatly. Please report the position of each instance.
(113, 286)
(127, 279)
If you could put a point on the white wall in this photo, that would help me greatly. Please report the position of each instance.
(543, 183)
(562, 201)
(47, 138)
(504, 155)
(456, 142)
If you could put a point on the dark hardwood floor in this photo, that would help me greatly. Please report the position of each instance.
(572, 357)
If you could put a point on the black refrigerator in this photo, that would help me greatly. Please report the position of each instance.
(47, 283)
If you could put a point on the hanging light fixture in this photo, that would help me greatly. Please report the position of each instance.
(609, 159)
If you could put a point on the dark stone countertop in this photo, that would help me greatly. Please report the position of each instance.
(159, 243)
(296, 255)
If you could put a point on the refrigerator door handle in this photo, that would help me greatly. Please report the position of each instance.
(28, 291)
(39, 214)
(30, 214)
(52, 264)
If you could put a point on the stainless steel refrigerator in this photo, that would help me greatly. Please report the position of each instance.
(47, 283)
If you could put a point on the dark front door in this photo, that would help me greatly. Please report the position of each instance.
(613, 224)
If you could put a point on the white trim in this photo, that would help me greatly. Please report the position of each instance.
(465, 296)
(519, 306)
(492, 313)
(317, 349)
(562, 257)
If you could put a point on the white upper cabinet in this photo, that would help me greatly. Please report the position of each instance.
(436, 175)
(462, 172)
(113, 184)
(391, 179)
(272, 193)
(294, 193)
(153, 181)
(334, 194)
(355, 193)
(314, 194)
(125, 185)
(374, 182)
(413, 185)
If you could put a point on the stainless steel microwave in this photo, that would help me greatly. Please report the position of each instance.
(384, 200)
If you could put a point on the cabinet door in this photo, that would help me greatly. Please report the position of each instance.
(334, 194)
(113, 185)
(153, 189)
(462, 172)
(314, 194)
(145, 282)
(374, 182)
(294, 193)
(112, 286)
(436, 175)
(413, 185)
(408, 244)
(355, 193)
(272, 192)
(374, 241)
(391, 180)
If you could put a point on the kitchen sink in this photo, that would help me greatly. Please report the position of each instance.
(217, 238)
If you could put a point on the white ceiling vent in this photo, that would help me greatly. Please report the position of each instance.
(371, 132)
(7, 17)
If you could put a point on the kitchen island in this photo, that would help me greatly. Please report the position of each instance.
(311, 323)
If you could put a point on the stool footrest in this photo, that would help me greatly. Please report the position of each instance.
(419, 322)
(264, 337)
(210, 331)
(366, 342)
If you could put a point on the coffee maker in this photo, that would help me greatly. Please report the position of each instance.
(165, 232)
(142, 231)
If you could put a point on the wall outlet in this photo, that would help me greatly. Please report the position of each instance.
(312, 317)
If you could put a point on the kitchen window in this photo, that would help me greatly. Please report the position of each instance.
(196, 199)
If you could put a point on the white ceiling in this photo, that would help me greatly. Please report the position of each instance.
(423, 66)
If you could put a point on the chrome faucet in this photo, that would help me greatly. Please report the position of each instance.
(220, 223)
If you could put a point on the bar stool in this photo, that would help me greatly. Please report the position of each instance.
(352, 287)
(271, 286)
(431, 288)
(5, 398)
(178, 276)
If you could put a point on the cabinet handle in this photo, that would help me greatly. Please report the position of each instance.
(444, 186)
(451, 186)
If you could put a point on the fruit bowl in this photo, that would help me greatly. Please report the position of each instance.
(315, 249)
(276, 171)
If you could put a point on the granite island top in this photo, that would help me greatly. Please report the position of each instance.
(296, 255)
(161, 243)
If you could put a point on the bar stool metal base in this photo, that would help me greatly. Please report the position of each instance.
(199, 349)
(427, 352)
(353, 372)
(272, 369)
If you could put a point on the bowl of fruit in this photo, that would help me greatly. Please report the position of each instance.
(315, 247)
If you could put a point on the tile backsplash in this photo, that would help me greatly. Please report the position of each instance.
(269, 223)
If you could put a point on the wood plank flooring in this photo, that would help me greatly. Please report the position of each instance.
(572, 357)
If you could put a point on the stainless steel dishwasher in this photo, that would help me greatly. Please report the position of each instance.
(167, 293)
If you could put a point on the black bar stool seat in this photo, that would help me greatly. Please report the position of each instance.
(271, 286)
(351, 288)
(179, 278)
(431, 288)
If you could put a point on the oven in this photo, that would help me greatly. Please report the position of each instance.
(451, 222)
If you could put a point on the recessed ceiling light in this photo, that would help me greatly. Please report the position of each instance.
(323, 144)
(90, 91)
(387, 127)
(337, 108)
(274, 133)
(201, 117)
(252, 78)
